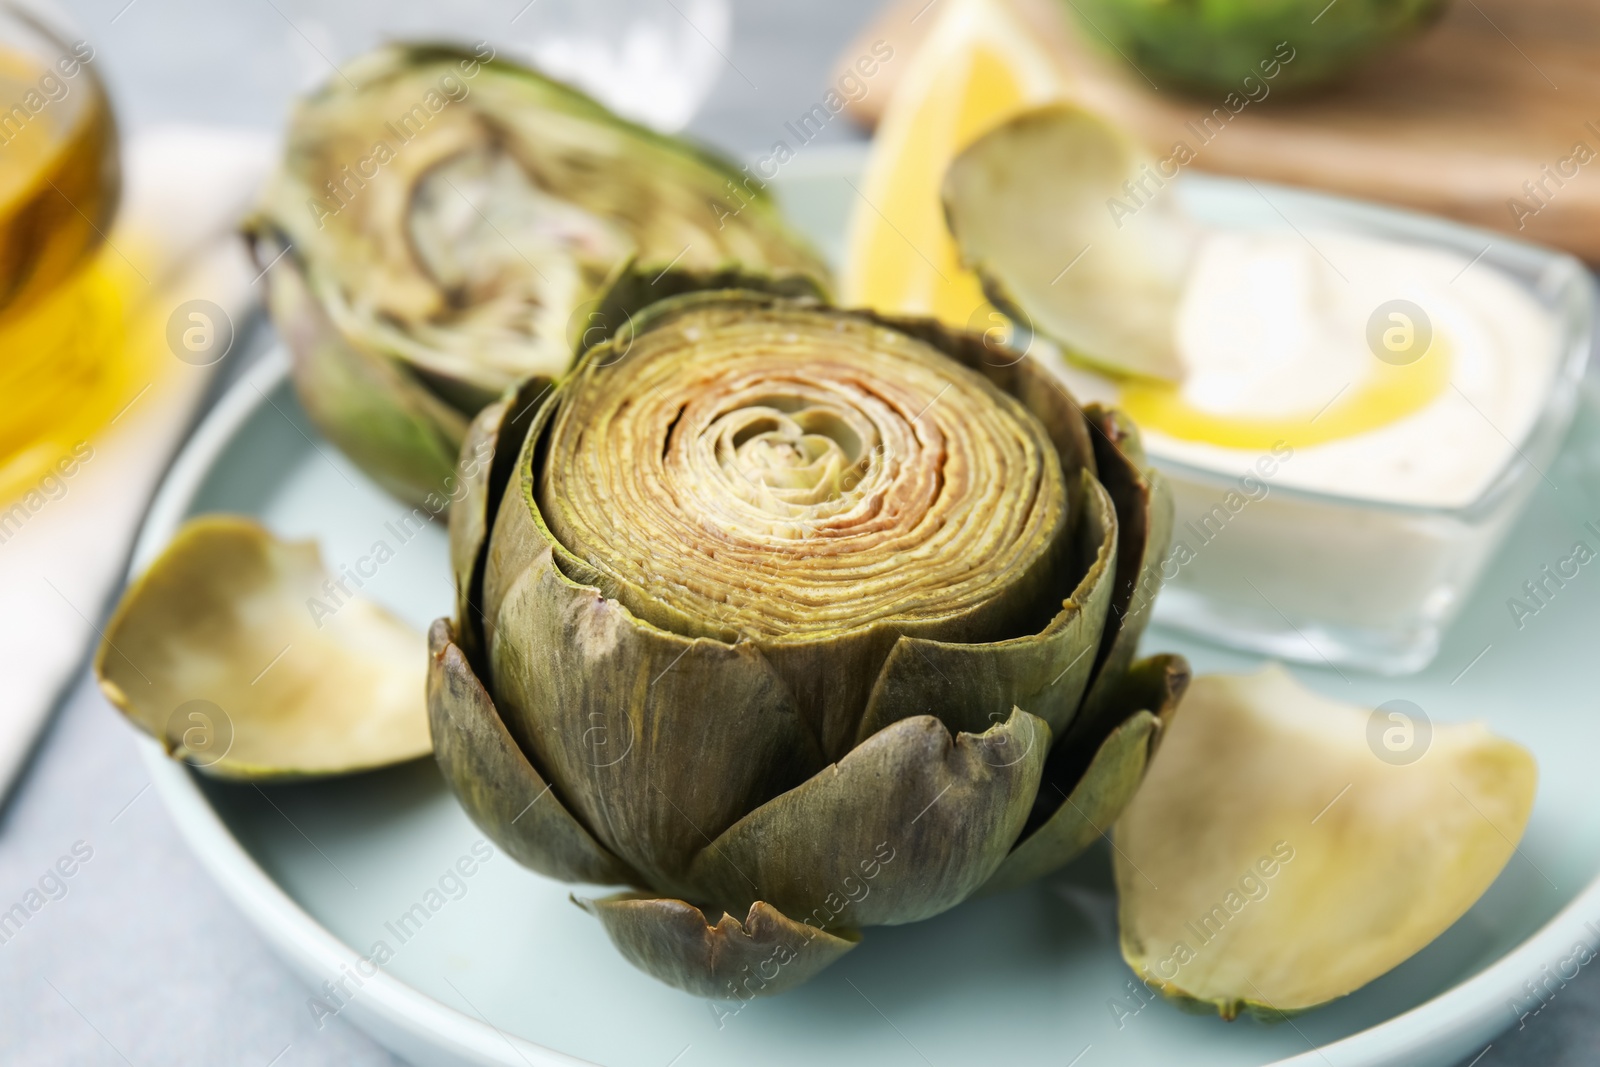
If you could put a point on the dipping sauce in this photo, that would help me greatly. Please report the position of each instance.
(1332, 374)
(1395, 372)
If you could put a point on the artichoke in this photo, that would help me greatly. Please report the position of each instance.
(444, 224)
(796, 620)
(1212, 46)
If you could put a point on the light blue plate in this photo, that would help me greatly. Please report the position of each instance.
(499, 968)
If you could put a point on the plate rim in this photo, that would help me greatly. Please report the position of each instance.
(389, 1009)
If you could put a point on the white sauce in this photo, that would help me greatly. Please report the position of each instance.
(1274, 325)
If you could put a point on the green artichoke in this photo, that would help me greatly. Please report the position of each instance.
(796, 620)
(1211, 46)
(444, 225)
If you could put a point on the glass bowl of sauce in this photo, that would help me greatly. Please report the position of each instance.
(1371, 397)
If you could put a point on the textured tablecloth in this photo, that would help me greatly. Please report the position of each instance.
(142, 961)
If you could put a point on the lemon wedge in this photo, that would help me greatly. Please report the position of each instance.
(980, 64)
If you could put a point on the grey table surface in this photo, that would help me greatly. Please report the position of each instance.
(142, 961)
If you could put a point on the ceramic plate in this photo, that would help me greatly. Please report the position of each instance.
(500, 968)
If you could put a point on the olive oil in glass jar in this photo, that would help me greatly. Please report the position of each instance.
(62, 296)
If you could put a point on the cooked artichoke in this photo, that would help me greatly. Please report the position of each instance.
(801, 617)
(1214, 45)
(442, 226)
(1286, 849)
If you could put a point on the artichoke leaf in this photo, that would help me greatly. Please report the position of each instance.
(1082, 802)
(627, 718)
(906, 826)
(1041, 209)
(469, 517)
(1155, 684)
(488, 455)
(1279, 855)
(1087, 812)
(971, 686)
(501, 791)
(672, 941)
(1144, 506)
(232, 652)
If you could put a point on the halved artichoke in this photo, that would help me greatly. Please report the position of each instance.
(244, 657)
(797, 620)
(1286, 849)
(1063, 217)
(443, 226)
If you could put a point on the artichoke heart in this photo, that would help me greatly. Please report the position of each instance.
(797, 620)
(1286, 849)
(1056, 212)
(444, 225)
(214, 651)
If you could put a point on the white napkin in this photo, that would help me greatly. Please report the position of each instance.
(184, 191)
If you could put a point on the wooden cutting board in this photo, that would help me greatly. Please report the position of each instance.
(1498, 93)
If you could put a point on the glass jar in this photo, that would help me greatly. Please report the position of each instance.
(60, 314)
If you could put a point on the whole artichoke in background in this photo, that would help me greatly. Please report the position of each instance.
(442, 221)
(1212, 46)
(797, 620)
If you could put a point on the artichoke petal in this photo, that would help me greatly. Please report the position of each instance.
(1087, 800)
(1028, 196)
(1281, 854)
(1087, 812)
(469, 518)
(235, 651)
(1144, 506)
(488, 456)
(907, 825)
(968, 685)
(658, 741)
(502, 792)
(672, 941)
